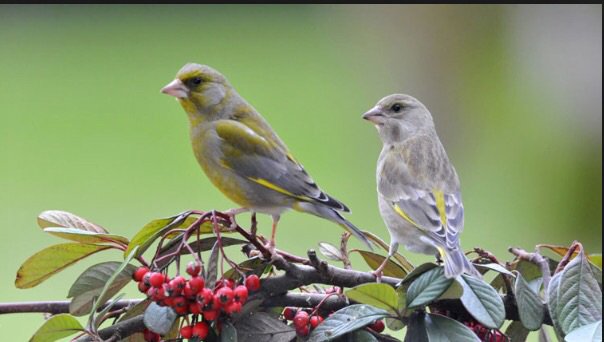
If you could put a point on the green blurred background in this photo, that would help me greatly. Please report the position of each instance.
(516, 93)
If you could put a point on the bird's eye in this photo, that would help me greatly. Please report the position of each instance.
(196, 80)
(396, 107)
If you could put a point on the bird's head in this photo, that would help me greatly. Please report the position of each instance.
(399, 116)
(198, 88)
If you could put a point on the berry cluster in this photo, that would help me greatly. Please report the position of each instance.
(486, 334)
(302, 320)
(190, 296)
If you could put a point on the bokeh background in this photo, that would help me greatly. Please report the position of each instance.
(516, 93)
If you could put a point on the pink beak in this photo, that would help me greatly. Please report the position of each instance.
(176, 88)
(374, 115)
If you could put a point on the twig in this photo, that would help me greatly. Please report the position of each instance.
(569, 254)
(536, 259)
(53, 306)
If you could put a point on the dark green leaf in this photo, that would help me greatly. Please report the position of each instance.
(111, 282)
(374, 260)
(381, 296)
(346, 320)
(591, 332)
(419, 270)
(427, 287)
(56, 328)
(99, 317)
(552, 300)
(416, 328)
(52, 260)
(136, 310)
(362, 336)
(211, 270)
(262, 327)
(530, 306)
(159, 319)
(516, 331)
(58, 218)
(255, 265)
(228, 332)
(482, 301)
(443, 329)
(197, 246)
(90, 283)
(579, 296)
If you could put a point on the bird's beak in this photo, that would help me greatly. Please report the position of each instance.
(175, 88)
(374, 115)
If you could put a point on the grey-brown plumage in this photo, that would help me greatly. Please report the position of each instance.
(418, 189)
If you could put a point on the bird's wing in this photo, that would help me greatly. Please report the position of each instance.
(260, 160)
(423, 204)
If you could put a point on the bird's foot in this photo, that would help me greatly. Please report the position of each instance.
(231, 213)
(270, 247)
(378, 275)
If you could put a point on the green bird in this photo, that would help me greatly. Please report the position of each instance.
(243, 156)
(418, 188)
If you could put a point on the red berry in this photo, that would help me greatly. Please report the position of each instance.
(303, 331)
(195, 308)
(230, 283)
(225, 295)
(188, 292)
(289, 313)
(210, 315)
(147, 279)
(201, 330)
(193, 268)
(139, 273)
(178, 284)
(241, 294)
(168, 301)
(196, 284)
(157, 279)
(142, 287)
(205, 296)
(233, 307)
(377, 326)
(252, 283)
(186, 331)
(301, 319)
(315, 320)
(156, 294)
(150, 336)
(179, 302)
(181, 310)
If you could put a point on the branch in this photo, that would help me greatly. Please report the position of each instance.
(53, 306)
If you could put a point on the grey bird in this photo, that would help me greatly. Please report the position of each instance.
(418, 188)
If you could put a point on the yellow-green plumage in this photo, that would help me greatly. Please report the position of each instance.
(242, 155)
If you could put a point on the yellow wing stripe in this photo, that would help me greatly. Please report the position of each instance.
(404, 215)
(440, 206)
(279, 189)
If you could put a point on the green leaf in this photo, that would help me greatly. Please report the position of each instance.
(589, 332)
(99, 317)
(427, 287)
(228, 332)
(443, 329)
(159, 319)
(211, 270)
(419, 270)
(363, 336)
(407, 265)
(345, 320)
(255, 265)
(516, 331)
(394, 323)
(83, 236)
(262, 327)
(330, 251)
(91, 282)
(58, 218)
(52, 260)
(379, 295)
(482, 301)
(374, 260)
(596, 259)
(530, 307)
(56, 328)
(156, 228)
(579, 299)
(137, 309)
(552, 300)
(111, 282)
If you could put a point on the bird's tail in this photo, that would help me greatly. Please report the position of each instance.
(334, 216)
(456, 263)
